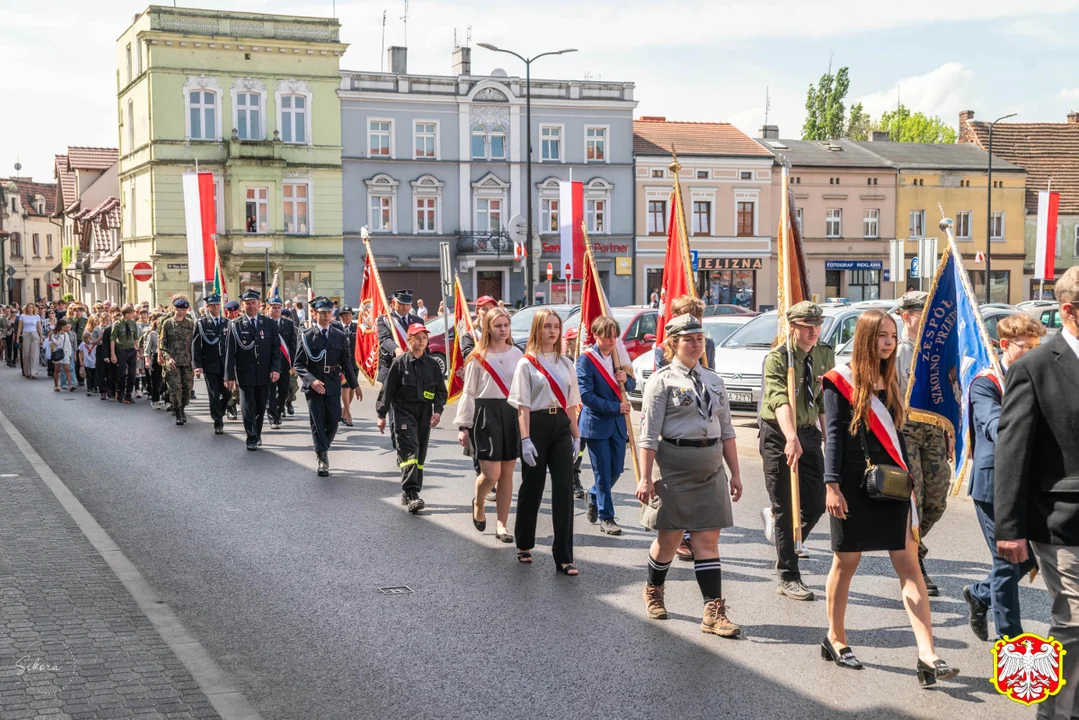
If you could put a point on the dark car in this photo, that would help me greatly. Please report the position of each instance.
(638, 328)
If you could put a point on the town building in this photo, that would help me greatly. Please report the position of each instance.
(726, 181)
(30, 251)
(430, 159)
(1049, 152)
(88, 214)
(251, 98)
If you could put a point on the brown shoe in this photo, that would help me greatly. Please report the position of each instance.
(653, 602)
(684, 551)
(715, 620)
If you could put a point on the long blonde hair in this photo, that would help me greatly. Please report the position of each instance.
(868, 368)
(535, 334)
(479, 351)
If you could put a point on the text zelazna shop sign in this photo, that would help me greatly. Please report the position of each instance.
(728, 263)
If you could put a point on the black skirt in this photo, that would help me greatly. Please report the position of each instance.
(495, 435)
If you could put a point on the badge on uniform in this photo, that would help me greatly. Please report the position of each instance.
(404, 427)
(682, 397)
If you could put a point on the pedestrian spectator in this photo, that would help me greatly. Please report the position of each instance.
(61, 353)
(105, 369)
(123, 353)
(13, 337)
(441, 308)
(1036, 493)
(421, 310)
(30, 335)
(653, 301)
(855, 394)
(88, 360)
(5, 331)
(77, 316)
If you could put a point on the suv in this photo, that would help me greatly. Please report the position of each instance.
(1048, 314)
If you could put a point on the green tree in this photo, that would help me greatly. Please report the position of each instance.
(858, 123)
(825, 108)
(904, 126)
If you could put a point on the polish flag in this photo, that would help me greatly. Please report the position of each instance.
(570, 220)
(1046, 252)
(201, 219)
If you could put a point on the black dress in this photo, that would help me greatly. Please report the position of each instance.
(870, 524)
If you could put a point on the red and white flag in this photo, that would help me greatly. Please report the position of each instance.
(570, 227)
(1046, 249)
(200, 216)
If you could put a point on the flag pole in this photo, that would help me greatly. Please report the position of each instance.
(792, 398)
(679, 210)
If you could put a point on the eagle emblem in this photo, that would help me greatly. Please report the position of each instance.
(1028, 668)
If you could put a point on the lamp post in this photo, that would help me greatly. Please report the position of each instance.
(989, 206)
(529, 280)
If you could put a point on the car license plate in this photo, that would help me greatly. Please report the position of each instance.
(737, 397)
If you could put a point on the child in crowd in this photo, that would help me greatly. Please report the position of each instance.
(88, 356)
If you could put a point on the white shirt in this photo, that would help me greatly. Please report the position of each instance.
(480, 384)
(30, 323)
(530, 389)
(422, 311)
(1073, 342)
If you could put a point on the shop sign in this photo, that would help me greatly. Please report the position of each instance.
(623, 266)
(598, 247)
(176, 266)
(727, 263)
(853, 264)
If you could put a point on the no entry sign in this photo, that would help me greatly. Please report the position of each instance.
(142, 271)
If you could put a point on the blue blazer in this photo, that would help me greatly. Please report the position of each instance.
(601, 415)
(985, 400)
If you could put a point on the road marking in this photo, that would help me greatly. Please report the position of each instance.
(218, 686)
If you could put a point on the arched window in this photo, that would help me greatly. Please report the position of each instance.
(479, 142)
(498, 142)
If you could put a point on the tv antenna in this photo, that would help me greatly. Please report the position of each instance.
(405, 19)
(382, 59)
(767, 103)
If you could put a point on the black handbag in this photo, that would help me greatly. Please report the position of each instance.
(885, 482)
(57, 355)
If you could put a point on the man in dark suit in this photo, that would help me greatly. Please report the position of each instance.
(279, 390)
(1019, 334)
(1036, 497)
(208, 358)
(253, 361)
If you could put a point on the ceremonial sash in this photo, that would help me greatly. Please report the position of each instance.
(494, 375)
(593, 356)
(558, 394)
(992, 375)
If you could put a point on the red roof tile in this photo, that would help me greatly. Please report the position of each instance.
(66, 180)
(91, 158)
(29, 192)
(655, 136)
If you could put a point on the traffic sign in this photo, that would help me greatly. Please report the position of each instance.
(550, 272)
(914, 267)
(693, 259)
(10, 270)
(54, 284)
(142, 271)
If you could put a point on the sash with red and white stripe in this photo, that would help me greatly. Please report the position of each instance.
(538, 363)
(594, 356)
(501, 383)
(992, 375)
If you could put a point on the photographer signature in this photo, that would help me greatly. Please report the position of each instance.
(27, 665)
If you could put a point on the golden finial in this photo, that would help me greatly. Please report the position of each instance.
(675, 166)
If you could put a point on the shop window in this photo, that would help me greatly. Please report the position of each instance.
(727, 287)
(832, 280)
(863, 285)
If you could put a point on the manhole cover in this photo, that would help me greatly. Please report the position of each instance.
(397, 590)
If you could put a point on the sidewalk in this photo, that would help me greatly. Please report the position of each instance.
(73, 642)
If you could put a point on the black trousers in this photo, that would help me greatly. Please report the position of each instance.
(218, 394)
(554, 447)
(411, 432)
(125, 373)
(324, 410)
(91, 379)
(156, 380)
(106, 378)
(77, 365)
(777, 479)
(278, 398)
(253, 406)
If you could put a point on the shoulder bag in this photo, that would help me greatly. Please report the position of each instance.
(885, 482)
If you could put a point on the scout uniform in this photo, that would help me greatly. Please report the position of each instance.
(252, 354)
(927, 446)
(125, 336)
(174, 344)
(809, 368)
(208, 355)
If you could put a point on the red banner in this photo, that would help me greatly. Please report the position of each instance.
(372, 307)
(462, 323)
(677, 269)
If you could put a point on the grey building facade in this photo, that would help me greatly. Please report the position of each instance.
(441, 158)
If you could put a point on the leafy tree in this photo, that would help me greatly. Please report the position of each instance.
(825, 108)
(858, 123)
(904, 126)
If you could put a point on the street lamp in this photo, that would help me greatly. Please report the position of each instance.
(989, 206)
(529, 299)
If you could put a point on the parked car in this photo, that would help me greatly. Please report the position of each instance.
(1048, 315)
(521, 321)
(993, 314)
(436, 340)
(1028, 304)
(997, 306)
(713, 310)
(638, 327)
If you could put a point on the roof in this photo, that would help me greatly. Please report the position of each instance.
(1048, 152)
(66, 179)
(657, 136)
(97, 223)
(823, 153)
(29, 190)
(935, 156)
(91, 158)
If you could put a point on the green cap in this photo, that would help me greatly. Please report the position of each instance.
(913, 300)
(806, 313)
(683, 325)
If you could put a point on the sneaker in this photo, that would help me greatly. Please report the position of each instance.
(138, 396)
(610, 527)
(275, 426)
(931, 588)
(801, 551)
(795, 590)
(653, 602)
(414, 502)
(715, 620)
(592, 514)
(685, 551)
(230, 414)
(578, 489)
(978, 624)
(769, 523)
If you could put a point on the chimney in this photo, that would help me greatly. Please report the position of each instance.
(769, 132)
(462, 61)
(879, 136)
(396, 59)
(1073, 118)
(965, 116)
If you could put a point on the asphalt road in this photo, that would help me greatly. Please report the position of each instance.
(276, 572)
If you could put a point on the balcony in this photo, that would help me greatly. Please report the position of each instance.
(484, 243)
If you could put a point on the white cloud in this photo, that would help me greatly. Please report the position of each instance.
(1068, 94)
(943, 91)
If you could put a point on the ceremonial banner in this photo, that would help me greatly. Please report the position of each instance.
(275, 293)
(200, 217)
(677, 268)
(570, 218)
(953, 348)
(462, 323)
(1045, 251)
(373, 305)
(793, 285)
(593, 304)
(219, 277)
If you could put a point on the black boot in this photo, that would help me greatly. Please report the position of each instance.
(288, 409)
(183, 415)
(179, 416)
(219, 427)
(323, 463)
(931, 588)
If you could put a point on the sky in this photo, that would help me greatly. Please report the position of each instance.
(698, 60)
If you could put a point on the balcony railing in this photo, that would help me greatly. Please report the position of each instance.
(484, 243)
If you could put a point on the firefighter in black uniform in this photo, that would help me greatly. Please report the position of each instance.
(232, 311)
(416, 391)
(208, 358)
(403, 318)
(279, 390)
(252, 361)
(322, 358)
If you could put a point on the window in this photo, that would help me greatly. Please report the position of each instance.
(871, 224)
(1059, 244)
(657, 173)
(595, 144)
(863, 285)
(382, 203)
(745, 219)
(550, 143)
(549, 215)
(16, 244)
(378, 138)
(498, 142)
(130, 125)
(249, 115)
(657, 217)
(917, 223)
(381, 213)
(293, 119)
(832, 281)
(701, 174)
(996, 225)
(702, 218)
(257, 210)
(425, 140)
(138, 59)
(427, 204)
(479, 142)
(37, 289)
(426, 208)
(295, 197)
(37, 244)
(833, 226)
(999, 282)
(798, 218)
(129, 75)
(746, 175)
(48, 245)
(962, 224)
(488, 214)
(798, 180)
(202, 112)
(596, 216)
(132, 207)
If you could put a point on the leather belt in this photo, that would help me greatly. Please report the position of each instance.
(331, 368)
(679, 442)
(548, 411)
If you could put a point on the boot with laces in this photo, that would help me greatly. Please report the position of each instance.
(653, 602)
(715, 620)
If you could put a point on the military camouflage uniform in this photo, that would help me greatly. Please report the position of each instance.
(175, 344)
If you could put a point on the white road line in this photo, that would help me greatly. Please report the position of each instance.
(218, 686)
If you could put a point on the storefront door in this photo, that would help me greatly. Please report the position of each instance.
(489, 282)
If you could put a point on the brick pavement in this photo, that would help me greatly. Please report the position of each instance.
(73, 642)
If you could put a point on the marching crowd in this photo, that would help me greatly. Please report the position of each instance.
(881, 477)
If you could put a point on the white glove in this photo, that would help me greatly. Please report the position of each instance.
(576, 447)
(529, 452)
